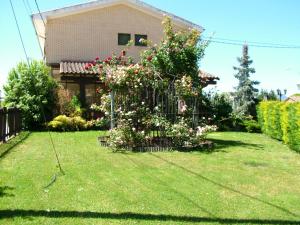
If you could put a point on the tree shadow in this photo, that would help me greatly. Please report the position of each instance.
(280, 208)
(5, 148)
(221, 145)
(4, 191)
(156, 179)
(6, 214)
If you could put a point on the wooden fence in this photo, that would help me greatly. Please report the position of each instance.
(10, 123)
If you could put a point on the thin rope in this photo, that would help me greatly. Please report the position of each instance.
(19, 31)
(40, 103)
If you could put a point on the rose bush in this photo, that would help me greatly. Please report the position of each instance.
(144, 93)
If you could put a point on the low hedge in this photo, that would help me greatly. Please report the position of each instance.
(281, 120)
(77, 123)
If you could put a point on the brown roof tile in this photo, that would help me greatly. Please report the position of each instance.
(75, 68)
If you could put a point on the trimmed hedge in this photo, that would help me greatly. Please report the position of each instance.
(281, 121)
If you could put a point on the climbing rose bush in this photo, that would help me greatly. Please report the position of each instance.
(171, 63)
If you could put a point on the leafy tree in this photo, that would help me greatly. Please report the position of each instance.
(267, 95)
(32, 89)
(245, 95)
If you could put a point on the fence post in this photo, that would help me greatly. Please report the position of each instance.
(2, 115)
(4, 124)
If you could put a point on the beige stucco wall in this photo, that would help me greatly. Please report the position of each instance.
(83, 37)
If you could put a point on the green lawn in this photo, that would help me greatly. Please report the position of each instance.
(248, 179)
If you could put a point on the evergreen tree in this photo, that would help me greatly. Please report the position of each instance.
(245, 95)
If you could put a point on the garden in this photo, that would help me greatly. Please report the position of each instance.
(247, 179)
(158, 149)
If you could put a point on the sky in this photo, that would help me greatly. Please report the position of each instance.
(267, 21)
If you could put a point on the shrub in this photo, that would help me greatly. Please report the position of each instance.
(252, 126)
(31, 89)
(65, 123)
(98, 124)
(281, 121)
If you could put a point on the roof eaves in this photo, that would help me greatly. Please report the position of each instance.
(106, 3)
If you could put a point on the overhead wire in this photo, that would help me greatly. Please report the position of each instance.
(19, 31)
(42, 110)
(226, 41)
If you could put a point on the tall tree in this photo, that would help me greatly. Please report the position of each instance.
(245, 95)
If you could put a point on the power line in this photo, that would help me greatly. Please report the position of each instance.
(44, 117)
(40, 103)
(27, 7)
(20, 35)
(250, 43)
(38, 8)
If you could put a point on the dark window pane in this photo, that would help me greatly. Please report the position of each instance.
(123, 39)
(138, 38)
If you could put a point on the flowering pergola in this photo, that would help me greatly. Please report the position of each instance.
(156, 102)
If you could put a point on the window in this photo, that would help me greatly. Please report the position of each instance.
(123, 39)
(138, 38)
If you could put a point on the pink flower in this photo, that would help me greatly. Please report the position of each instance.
(97, 58)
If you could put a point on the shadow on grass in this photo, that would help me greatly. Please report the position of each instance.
(6, 147)
(278, 207)
(171, 189)
(221, 145)
(4, 192)
(4, 214)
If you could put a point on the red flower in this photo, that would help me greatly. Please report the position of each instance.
(97, 58)
(149, 58)
(123, 53)
(94, 63)
(86, 66)
(109, 58)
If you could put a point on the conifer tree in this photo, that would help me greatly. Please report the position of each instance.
(245, 95)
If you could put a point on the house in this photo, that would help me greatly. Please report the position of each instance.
(293, 98)
(72, 36)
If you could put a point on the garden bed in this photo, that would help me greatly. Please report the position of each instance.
(159, 144)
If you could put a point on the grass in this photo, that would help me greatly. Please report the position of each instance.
(248, 179)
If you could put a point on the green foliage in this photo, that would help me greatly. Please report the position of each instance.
(264, 95)
(244, 97)
(281, 121)
(177, 55)
(65, 123)
(219, 107)
(99, 124)
(32, 89)
(252, 126)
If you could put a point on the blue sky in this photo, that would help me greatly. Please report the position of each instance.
(268, 21)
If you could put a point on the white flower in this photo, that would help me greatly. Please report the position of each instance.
(133, 129)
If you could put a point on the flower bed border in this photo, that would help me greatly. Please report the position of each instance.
(160, 147)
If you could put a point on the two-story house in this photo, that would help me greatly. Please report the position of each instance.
(72, 36)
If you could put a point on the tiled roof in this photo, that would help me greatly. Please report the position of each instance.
(79, 68)
(207, 78)
(293, 98)
(206, 75)
(75, 68)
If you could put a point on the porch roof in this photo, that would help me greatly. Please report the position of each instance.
(78, 68)
(75, 68)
